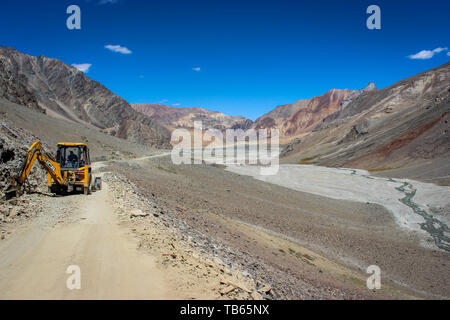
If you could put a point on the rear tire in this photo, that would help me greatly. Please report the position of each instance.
(55, 189)
(86, 191)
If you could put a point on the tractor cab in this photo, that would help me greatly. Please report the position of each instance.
(75, 164)
(72, 156)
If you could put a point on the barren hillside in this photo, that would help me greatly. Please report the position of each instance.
(404, 125)
(20, 126)
(172, 117)
(303, 116)
(64, 92)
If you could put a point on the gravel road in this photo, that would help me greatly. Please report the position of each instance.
(89, 237)
(122, 245)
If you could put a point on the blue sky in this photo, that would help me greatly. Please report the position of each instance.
(237, 57)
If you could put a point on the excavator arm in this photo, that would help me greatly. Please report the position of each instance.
(34, 153)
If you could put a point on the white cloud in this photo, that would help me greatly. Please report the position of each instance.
(107, 1)
(437, 50)
(102, 2)
(83, 67)
(448, 53)
(118, 48)
(427, 54)
(163, 101)
(177, 104)
(196, 69)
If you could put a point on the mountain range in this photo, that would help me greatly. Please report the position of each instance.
(401, 126)
(173, 118)
(62, 91)
(303, 116)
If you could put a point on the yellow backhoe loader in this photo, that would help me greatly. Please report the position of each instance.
(68, 172)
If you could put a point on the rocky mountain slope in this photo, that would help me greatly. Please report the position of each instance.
(303, 116)
(399, 126)
(14, 144)
(62, 91)
(20, 126)
(173, 118)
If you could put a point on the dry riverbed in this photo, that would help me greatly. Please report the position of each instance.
(417, 207)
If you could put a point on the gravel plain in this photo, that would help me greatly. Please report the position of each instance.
(272, 230)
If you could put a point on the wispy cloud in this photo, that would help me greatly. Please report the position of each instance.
(118, 48)
(108, 1)
(101, 2)
(196, 69)
(448, 53)
(163, 101)
(83, 67)
(427, 54)
(177, 104)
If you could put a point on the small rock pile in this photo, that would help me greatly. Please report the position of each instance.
(26, 206)
(14, 144)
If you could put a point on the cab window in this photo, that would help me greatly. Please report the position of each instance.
(83, 157)
(70, 157)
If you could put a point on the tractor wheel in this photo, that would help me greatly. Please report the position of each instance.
(86, 191)
(56, 190)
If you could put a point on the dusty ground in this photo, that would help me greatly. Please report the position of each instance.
(358, 185)
(161, 231)
(432, 171)
(271, 230)
(124, 251)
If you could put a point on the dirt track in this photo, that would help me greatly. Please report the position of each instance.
(111, 268)
(123, 249)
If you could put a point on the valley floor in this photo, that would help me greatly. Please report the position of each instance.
(121, 246)
(160, 231)
(271, 231)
